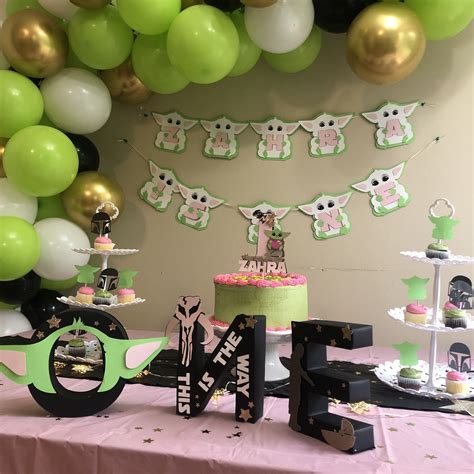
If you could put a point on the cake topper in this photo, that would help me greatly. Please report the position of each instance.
(387, 194)
(328, 138)
(158, 191)
(274, 143)
(443, 224)
(393, 128)
(222, 140)
(408, 353)
(276, 243)
(108, 279)
(126, 278)
(327, 210)
(172, 136)
(459, 357)
(101, 223)
(86, 273)
(460, 292)
(416, 287)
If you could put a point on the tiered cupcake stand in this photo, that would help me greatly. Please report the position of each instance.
(434, 374)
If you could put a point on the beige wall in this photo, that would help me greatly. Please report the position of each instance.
(353, 278)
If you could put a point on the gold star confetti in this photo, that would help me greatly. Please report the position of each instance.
(335, 401)
(217, 395)
(53, 322)
(358, 373)
(393, 430)
(430, 456)
(245, 415)
(347, 333)
(373, 381)
(343, 385)
(81, 368)
(198, 405)
(360, 407)
(411, 424)
(461, 405)
(251, 404)
(250, 322)
(306, 339)
(333, 342)
(112, 327)
(148, 440)
(139, 375)
(138, 427)
(311, 420)
(96, 323)
(241, 326)
(157, 430)
(59, 365)
(40, 334)
(319, 328)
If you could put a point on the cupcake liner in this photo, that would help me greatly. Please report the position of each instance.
(103, 300)
(76, 351)
(437, 254)
(455, 322)
(406, 382)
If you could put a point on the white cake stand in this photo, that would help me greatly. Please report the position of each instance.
(274, 369)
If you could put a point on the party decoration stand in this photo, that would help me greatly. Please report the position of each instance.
(433, 374)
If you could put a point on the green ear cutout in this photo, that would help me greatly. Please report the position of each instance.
(408, 353)
(444, 227)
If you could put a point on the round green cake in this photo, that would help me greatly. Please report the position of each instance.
(281, 298)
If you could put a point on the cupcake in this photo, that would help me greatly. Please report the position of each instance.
(104, 297)
(457, 383)
(76, 348)
(416, 313)
(126, 295)
(103, 243)
(85, 294)
(409, 378)
(438, 250)
(454, 317)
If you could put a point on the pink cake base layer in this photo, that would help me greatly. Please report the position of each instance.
(215, 322)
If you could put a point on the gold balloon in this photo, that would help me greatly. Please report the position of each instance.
(258, 3)
(3, 142)
(88, 191)
(34, 43)
(124, 86)
(90, 4)
(385, 43)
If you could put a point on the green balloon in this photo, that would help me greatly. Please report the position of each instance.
(21, 103)
(40, 161)
(73, 61)
(7, 306)
(443, 19)
(152, 65)
(298, 59)
(50, 207)
(19, 248)
(150, 17)
(13, 6)
(100, 38)
(203, 44)
(58, 284)
(249, 52)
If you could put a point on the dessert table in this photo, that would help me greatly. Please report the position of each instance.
(140, 433)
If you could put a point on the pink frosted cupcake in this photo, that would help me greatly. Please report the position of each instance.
(416, 313)
(457, 382)
(85, 294)
(126, 295)
(103, 243)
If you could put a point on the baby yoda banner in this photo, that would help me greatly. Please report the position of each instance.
(326, 130)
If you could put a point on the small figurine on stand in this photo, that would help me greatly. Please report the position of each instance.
(276, 243)
(415, 312)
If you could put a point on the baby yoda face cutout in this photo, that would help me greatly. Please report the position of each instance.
(172, 136)
(108, 279)
(158, 191)
(387, 194)
(276, 243)
(274, 141)
(222, 141)
(101, 223)
(393, 128)
(327, 210)
(195, 212)
(328, 138)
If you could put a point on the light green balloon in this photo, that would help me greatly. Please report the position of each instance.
(152, 65)
(442, 19)
(13, 6)
(21, 103)
(7, 306)
(203, 44)
(249, 52)
(73, 61)
(100, 38)
(19, 248)
(150, 17)
(50, 207)
(58, 284)
(40, 161)
(298, 59)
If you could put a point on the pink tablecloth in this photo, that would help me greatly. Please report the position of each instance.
(140, 433)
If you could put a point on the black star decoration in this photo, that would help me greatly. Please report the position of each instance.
(187, 417)
(205, 431)
(138, 427)
(158, 430)
(237, 435)
(148, 440)
(268, 419)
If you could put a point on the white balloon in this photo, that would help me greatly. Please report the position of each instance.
(76, 100)
(13, 322)
(61, 8)
(15, 203)
(281, 27)
(58, 237)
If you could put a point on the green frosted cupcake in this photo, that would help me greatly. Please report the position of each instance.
(103, 297)
(409, 378)
(438, 250)
(454, 317)
(76, 348)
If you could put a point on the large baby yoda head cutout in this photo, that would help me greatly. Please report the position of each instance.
(172, 136)
(222, 141)
(391, 120)
(386, 193)
(328, 138)
(101, 223)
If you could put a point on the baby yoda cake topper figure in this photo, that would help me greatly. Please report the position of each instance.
(276, 243)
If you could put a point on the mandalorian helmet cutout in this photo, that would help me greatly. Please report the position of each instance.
(459, 357)
(101, 223)
(108, 279)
